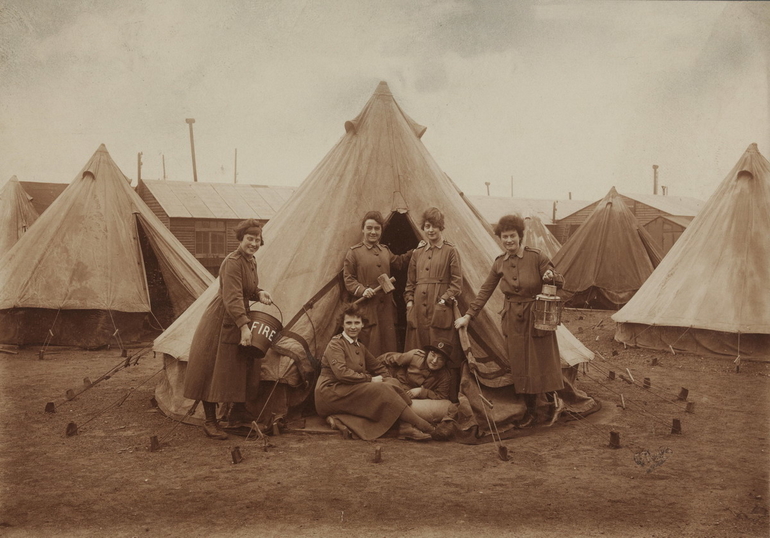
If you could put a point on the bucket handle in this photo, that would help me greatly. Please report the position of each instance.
(280, 313)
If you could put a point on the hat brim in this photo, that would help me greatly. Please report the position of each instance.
(437, 350)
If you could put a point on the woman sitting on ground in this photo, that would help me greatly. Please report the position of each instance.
(356, 389)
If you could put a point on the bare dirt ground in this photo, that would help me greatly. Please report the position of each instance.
(709, 481)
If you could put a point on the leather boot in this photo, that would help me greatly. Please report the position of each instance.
(557, 406)
(411, 433)
(213, 431)
(529, 418)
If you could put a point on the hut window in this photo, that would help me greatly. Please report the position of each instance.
(210, 238)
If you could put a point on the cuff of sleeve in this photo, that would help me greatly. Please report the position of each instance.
(368, 378)
(242, 320)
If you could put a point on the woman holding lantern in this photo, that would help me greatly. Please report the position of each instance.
(533, 354)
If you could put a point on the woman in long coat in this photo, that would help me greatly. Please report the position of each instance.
(364, 262)
(357, 390)
(434, 279)
(223, 367)
(533, 354)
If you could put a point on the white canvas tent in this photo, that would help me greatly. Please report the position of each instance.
(379, 164)
(16, 214)
(711, 294)
(97, 268)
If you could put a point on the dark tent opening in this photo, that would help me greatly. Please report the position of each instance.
(400, 236)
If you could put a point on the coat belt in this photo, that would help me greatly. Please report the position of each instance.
(431, 281)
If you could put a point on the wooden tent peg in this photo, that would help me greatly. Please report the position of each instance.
(611, 375)
(377, 455)
(235, 453)
(683, 394)
(690, 408)
(50, 407)
(676, 426)
(72, 429)
(154, 444)
(70, 394)
(647, 384)
(614, 440)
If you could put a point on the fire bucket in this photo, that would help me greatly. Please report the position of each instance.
(264, 330)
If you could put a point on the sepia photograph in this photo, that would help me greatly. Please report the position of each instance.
(220, 312)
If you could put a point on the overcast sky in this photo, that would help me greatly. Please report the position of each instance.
(563, 96)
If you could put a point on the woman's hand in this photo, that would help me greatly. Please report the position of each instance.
(409, 305)
(377, 379)
(548, 276)
(462, 322)
(245, 335)
(265, 297)
(415, 392)
(368, 293)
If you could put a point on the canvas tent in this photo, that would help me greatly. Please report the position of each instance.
(710, 293)
(378, 164)
(536, 235)
(16, 214)
(608, 258)
(97, 268)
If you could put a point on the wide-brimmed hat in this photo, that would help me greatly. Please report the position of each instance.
(440, 345)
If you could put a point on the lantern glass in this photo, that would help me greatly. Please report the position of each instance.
(547, 311)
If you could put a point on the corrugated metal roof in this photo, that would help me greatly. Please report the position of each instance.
(682, 206)
(494, 207)
(43, 194)
(185, 199)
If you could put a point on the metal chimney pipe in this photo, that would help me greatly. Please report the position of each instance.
(654, 179)
(553, 217)
(487, 184)
(190, 122)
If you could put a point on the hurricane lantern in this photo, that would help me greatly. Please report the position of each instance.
(548, 307)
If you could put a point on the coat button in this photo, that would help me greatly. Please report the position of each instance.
(427, 268)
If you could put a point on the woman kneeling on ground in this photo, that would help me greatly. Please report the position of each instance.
(356, 389)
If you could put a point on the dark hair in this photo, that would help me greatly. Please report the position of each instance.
(375, 216)
(434, 216)
(510, 223)
(350, 309)
(241, 228)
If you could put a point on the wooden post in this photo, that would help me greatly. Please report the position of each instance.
(72, 429)
(614, 440)
(676, 426)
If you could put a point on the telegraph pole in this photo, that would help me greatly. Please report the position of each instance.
(190, 122)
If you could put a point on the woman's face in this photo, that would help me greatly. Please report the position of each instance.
(250, 243)
(435, 361)
(431, 232)
(372, 232)
(511, 241)
(352, 325)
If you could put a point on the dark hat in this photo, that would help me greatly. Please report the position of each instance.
(440, 345)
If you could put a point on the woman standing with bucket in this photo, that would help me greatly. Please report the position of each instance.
(223, 367)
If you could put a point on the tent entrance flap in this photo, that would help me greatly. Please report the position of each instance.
(400, 235)
(157, 288)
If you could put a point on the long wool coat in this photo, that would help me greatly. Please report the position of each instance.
(411, 370)
(344, 389)
(434, 273)
(363, 264)
(532, 354)
(219, 370)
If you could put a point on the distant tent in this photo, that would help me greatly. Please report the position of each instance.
(379, 164)
(710, 293)
(536, 235)
(16, 214)
(608, 258)
(97, 268)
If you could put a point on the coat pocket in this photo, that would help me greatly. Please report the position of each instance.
(229, 333)
(442, 317)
